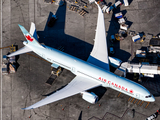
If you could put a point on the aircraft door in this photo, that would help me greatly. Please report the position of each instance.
(137, 95)
(43, 56)
(73, 69)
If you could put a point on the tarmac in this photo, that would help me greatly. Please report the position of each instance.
(75, 33)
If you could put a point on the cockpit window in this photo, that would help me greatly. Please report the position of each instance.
(148, 96)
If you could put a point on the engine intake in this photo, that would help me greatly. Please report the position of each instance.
(90, 97)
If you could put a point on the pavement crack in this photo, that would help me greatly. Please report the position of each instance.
(21, 10)
(153, 17)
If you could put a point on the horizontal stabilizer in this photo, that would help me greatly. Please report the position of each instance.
(25, 49)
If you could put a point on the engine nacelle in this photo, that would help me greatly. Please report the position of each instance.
(90, 97)
(114, 62)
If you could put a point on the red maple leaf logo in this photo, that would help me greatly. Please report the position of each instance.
(131, 91)
(29, 38)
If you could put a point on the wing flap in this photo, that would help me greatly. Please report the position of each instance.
(99, 54)
(77, 85)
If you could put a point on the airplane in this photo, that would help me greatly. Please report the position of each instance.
(90, 74)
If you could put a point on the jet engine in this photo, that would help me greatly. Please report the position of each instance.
(114, 62)
(90, 97)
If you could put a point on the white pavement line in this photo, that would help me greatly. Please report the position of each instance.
(1, 60)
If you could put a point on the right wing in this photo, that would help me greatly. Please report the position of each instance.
(77, 85)
(99, 54)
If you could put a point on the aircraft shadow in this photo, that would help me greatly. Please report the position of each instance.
(80, 116)
(130, 1)
(113, 29)
(55, 37)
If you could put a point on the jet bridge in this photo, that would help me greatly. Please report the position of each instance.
(145, 69)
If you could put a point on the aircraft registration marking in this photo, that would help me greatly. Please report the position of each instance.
(116, 85)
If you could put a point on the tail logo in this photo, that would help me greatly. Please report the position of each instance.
(29, 38)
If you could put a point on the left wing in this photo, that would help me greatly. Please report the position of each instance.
(25, 49)
(99, 54)
(77, 85)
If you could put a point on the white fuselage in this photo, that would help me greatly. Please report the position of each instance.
(83, 68)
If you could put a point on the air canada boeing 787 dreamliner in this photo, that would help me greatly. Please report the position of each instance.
(89, 74)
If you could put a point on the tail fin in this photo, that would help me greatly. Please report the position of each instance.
(29, 37)
(33, 31)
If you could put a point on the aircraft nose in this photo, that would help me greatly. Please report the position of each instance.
(152, 99)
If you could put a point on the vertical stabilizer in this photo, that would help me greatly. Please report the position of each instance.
(30, 39)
